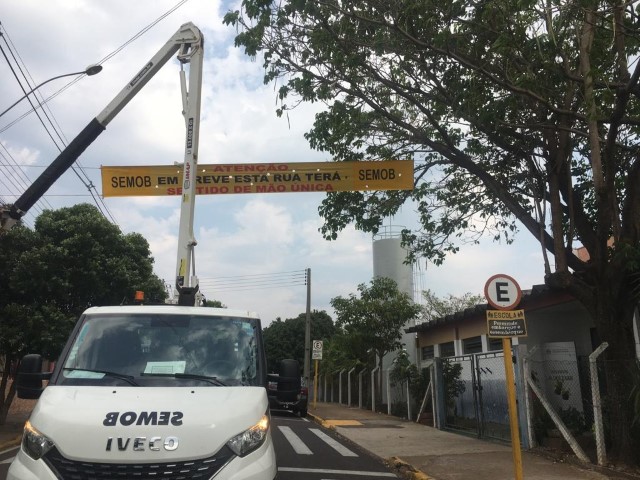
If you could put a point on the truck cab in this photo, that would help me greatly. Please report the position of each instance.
(164, 392)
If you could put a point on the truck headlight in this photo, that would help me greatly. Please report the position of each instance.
(35, 444)
(251, 439)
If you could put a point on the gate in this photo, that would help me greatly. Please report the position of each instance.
(475, 395)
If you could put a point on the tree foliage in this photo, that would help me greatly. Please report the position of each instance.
(374, 319)
(286, 339)
(214, 304)
(73, 259)
(517, 114)
(434, 307)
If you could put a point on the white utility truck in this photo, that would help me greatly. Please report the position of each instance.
(149, 392)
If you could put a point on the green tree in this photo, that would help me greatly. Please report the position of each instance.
(516, 113)
(434, 307)
(345, 351)
(376, 317)
(286, 339)
(73, 259)
(214, 304)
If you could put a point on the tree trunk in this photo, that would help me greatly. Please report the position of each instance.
(614, 322)
(6, 396)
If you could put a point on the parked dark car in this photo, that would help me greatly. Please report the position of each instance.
(286, 389)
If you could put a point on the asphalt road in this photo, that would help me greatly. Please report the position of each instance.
(5, 459)
(304, 449)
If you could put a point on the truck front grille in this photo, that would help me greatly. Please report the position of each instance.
(202, 469)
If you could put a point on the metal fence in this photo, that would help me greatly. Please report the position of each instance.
(559, 397)
(564, 402)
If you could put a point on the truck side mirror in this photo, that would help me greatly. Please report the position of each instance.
(30, 376)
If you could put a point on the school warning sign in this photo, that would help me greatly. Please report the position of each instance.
(216, 179)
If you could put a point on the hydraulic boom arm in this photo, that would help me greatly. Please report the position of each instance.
(188, 43)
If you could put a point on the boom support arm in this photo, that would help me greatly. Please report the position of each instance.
(188, 40)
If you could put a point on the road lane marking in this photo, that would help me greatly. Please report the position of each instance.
(7, 460)
(298, 445)
(338, 472)
(341, 449)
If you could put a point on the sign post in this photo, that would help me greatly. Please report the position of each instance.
(504, 294)
(316, 355)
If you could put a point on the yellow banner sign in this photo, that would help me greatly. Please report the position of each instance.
(260, 178)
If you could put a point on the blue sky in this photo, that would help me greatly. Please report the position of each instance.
(238, 235)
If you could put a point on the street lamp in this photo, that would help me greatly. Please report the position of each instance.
(90, 70)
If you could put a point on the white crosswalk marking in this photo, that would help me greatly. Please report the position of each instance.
(298, 445)
(341, 449)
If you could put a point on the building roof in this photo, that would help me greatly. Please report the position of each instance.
(539, 296)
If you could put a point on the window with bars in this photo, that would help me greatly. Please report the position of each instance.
(472, 345)
(447, 349)
(427, 352)
(495, 344)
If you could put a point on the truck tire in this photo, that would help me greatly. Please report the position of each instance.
(289, 380)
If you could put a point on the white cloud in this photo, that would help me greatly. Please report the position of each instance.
(238, 235)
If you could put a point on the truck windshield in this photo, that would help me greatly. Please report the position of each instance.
(175, 347)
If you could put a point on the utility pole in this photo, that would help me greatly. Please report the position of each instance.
(307, 332)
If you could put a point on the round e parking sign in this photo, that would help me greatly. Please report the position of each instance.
(502, 292)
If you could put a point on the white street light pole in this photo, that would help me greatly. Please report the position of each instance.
(90, 70)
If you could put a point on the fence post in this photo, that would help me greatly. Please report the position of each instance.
(333, 387)
(373, 389)
(527, 393)
(324, 390)
(521, 392)
(349, 386)
(601, 448)
(340, 386)
(360, 387)
(388, 391)
(577, 449)
(428, 365)
(439, 397)
(408, 402)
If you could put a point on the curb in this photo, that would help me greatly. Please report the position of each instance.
(320, 421)
(405, 469)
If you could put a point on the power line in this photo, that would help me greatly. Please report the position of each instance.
(257, 281)
(48, 114)
(89, 185)
(46, 111)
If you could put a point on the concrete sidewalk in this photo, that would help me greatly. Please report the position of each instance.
(423, 452)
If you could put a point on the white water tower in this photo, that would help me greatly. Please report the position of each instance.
(389, 261)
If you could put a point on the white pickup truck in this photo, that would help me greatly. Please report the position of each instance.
(150, 392)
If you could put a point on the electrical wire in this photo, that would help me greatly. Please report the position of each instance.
(87, 182)
(46, 112)
(257, 281)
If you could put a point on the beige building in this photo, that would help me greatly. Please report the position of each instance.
(550, 317)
